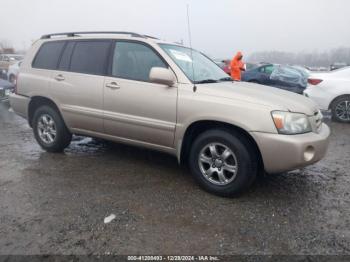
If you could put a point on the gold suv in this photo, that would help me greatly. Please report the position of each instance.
(142, 91)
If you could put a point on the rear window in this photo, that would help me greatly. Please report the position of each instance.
(48, 55)
(90, 57)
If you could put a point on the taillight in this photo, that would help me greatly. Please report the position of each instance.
(314, 81)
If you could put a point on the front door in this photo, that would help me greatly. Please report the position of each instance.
(135, 108)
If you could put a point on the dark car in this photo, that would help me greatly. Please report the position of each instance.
(284, 77)
(5, 89)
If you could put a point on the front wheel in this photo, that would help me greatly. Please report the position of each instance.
(223, 162)
(50, 130)
(341, 109)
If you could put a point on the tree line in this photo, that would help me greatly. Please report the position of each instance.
(316, 58)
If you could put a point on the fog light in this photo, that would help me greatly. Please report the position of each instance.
(309, 153)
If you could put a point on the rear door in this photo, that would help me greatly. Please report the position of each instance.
(77, 84)
(135, 108)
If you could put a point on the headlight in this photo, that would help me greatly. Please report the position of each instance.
(291, 123)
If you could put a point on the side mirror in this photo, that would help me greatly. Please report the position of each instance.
(162, 75)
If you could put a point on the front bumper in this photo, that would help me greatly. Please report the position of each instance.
(281, 153)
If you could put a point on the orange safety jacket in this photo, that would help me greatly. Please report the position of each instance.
(237, 66)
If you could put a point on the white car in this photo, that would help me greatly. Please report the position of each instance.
(331, 90)
(13, 71)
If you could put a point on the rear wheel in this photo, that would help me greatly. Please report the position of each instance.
(49, 129)
(223, 163)
(341, 109)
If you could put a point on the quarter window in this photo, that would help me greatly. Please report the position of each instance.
(48, 55)
(90, 57)
(134, 61)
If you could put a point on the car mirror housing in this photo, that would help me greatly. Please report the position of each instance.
(162, 75)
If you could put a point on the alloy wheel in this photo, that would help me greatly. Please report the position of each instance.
(46, 129)
(342, 110)
(218, 164)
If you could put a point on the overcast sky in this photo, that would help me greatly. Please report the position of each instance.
(219, 27)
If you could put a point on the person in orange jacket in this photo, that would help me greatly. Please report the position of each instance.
(237, 66)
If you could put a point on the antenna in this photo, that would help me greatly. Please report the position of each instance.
(190, 38)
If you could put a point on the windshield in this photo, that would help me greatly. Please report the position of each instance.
(205, 70)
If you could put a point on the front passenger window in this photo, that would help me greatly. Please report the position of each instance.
(134, 61)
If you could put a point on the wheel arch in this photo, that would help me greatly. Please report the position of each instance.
(36, 102)
(335, 98)
(198, 127)
(11, 74)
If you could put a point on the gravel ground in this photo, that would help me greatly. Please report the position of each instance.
(56, 203)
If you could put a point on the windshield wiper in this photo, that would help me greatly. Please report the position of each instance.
(206, 81)
(226, 79)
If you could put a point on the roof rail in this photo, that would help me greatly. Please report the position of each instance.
(149, 36)
(72, 34)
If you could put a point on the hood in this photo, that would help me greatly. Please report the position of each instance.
(271, 97)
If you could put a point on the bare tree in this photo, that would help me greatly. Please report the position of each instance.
(341, 54)
(6, 47)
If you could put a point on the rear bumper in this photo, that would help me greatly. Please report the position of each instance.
(281, 153)
(19, 104)
(321, 99)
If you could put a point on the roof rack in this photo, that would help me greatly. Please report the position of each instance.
(152, 37)
(72, 34)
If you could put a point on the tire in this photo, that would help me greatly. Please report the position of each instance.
(50, 142)
(341, 109)
(243, 157)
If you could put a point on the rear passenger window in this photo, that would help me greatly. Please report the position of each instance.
(134, 61)
(90, 57)
(65, 59)
(48, 55)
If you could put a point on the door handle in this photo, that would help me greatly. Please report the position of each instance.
(59, 77)
(112, 85)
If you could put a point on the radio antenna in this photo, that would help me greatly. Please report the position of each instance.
(190, 39)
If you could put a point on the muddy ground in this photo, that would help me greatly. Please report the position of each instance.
(56, 203)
